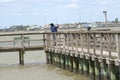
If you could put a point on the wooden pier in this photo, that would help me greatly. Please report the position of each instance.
(18, 40)
(92, 53)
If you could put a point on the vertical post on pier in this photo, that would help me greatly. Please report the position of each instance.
(49, 42)
(85, 52)
(97, 70)
(47, 57)
(91, 69)
(75, 62)
(71, 52)
(53, 57)
(76, 55)
(67, 58)
(77, 66)
(114, 71)
(46, 51)
(80, 60)
(50, 57)
(80, 64)
(105, 70)
(56, 49)
(22, 51)
(71, 63)
(85, 66)
(92, 59)
(62, 57)
(44, 38)
(59, 49)
(56, 59)
(66, 61)
(21, 57)
(59, 63)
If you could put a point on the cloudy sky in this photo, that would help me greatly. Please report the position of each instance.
(40, 12)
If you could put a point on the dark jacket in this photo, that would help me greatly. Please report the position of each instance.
(53, 29)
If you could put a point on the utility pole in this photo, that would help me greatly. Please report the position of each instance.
(105, 13)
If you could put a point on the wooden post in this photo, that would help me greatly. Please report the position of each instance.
(50, 57)
(57, 59)
(44, 39)
(53, 58)
(21, 57)
(80, 64)
(56, 63)
(97, 70)
(105, 70)
(71, 63)
(22, 51)
(66, 61)
(114, 71)
(75, 63)
(85, 66)
(59, 64)
(63, 61)
(91, 69)
(47, 56)
(77, 66)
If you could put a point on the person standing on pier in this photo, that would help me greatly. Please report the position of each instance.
(54, 28)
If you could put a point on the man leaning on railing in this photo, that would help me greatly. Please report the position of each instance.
(53, 29)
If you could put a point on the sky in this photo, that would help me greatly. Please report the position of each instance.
(41, 12)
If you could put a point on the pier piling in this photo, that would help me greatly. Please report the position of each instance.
(67, 61)
(21, 56)
(91, 69)
(80, 65)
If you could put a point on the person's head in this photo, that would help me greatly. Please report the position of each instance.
(51, 24)
(88, 28)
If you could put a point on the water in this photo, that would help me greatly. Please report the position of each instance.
(35, 68)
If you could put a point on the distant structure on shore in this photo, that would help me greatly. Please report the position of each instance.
(76, 25)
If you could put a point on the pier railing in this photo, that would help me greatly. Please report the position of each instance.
(21, 42)
(22, 39)
(101, 43)
(92, 53)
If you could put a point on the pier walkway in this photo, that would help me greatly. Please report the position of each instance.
(92, 53)
(21, 42)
